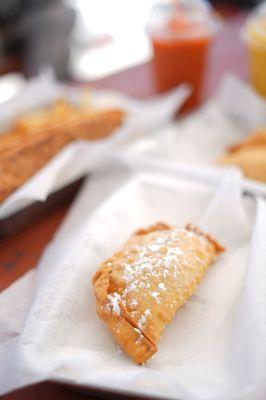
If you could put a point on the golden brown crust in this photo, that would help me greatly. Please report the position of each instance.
(159, 226)
(139, 289)
(128, 335)
(249, 155)
(256, 139)
(218, 248)
(251, 160)
(35, 140)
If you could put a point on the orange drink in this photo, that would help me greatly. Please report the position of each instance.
(180, 44)
(255, 34)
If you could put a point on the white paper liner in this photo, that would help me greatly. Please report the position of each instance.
(204, 136)
(77, 159)
(206, 353)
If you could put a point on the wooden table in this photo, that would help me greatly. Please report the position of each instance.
(21, 252)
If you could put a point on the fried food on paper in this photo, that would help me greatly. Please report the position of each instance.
(252, 161)
(139, 289)
(35, 139)
(249, 156)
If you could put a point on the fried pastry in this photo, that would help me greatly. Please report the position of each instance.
(256, 139)
(251, 160)
(139, 289)
(249, 155)
(37, 138)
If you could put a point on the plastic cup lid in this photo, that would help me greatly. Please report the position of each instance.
(188, 18)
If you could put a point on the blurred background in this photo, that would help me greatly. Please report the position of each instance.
(80, 39)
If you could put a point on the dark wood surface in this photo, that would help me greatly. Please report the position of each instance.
(21, 252)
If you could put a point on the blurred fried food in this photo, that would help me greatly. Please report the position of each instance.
(249, 156)
(36, 138)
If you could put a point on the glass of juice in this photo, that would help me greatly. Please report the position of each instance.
(255, 37)
(180, 32)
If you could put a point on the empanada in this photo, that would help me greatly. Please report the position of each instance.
(37, 138)
(249, 155)
(251, 160)
(256, 139)
(139, 289)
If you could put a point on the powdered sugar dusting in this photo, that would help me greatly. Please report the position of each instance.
(153, 267)
(143, 319)
(113, 301)
(155, 295)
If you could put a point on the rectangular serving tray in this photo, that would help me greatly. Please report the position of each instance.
(30, 214)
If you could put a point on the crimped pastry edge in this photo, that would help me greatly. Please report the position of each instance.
(161, 226)
(122, 327)
(124, 323)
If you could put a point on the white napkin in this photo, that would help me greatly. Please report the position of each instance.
(202, 137)
(214, 349)
(79, 158)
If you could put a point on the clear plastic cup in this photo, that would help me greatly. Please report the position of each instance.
(255, 38)
(181, 32)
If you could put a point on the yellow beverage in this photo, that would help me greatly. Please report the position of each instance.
(256, 42)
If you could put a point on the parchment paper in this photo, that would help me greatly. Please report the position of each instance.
(79, 158)
(214, 349)
(202, 137)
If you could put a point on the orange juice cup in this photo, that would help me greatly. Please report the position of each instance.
(180, 41)
(255, 36)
